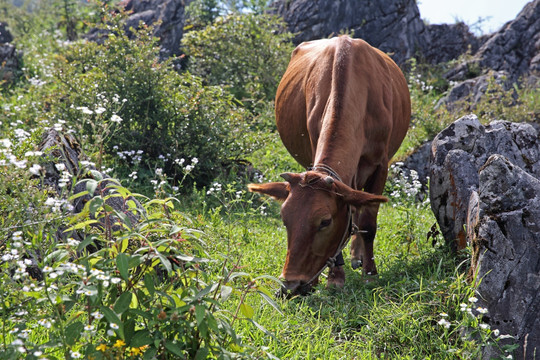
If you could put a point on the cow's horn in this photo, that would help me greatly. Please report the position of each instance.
(329, 180)
(287, 176)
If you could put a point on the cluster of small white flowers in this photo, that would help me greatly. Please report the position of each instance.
(57, 205)
(407, 186)
(35, 169)
(36, 81)
(419, 82)
(134, 156)
(215, 188)
(258, 178)
(21, 134)
(116, 119)
(59, 126)
(5, 150)
(65, 176)
(189, 168)
(87, 164)
(72, 242)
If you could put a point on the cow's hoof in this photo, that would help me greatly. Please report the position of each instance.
(370, 277)
(356, 263)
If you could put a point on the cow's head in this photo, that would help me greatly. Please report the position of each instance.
(315, 213)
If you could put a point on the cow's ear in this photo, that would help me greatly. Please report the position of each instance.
(277, 190)
(358, 198)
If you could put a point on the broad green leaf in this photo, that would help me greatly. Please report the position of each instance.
(173, 348)
(200, 312)
(205, 291)
(201, 354)
(165, 262)
(113, 319)
(124, 245)
(226, 291)
(149, 283)
(122, 262)
(246, 310)
(141, 338)
(270, 301)
(96, 175)
(91, 186)
(57, 256)
(122, 303)
(81, 225)
(78, 195)
(95, 205)
(73, 332)
(131, 204)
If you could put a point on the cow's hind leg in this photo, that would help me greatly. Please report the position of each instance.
(362, 242)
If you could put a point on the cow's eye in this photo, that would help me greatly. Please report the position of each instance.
(325, 223)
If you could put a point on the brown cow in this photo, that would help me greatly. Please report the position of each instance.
(342, 111)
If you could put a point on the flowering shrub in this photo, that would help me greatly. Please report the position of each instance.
(119, 99)
(149, 290)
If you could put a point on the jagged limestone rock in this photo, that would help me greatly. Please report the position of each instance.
(457, 154)
(504, 229)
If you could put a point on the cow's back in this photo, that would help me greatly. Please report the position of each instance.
(371, 92)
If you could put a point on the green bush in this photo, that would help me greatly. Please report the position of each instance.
(248, 53)
(130, 110)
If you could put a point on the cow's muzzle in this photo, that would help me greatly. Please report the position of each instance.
(294, 288)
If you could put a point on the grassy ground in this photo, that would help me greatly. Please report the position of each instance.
(396, 316)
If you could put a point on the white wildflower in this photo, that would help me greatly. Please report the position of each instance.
(85, 110)
(35, 169)
(444, 322)
(116, 119)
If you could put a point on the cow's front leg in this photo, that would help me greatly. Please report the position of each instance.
(336, 275)
(362, 242)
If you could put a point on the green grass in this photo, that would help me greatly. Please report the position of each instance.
(394, 317)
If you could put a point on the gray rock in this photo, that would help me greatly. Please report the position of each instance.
(63, 149)
(392, 26)
(458, 153)
(504, 230)
(166, 15)
(511, 49)
(466, 94)
(10, 58)
(514, 51)
(445, 42)
(5, 35)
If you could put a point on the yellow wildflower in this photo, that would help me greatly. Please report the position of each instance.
(119, 343)
(101, 347)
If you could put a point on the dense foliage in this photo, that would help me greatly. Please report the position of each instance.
(180, 272)
(246, 53)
